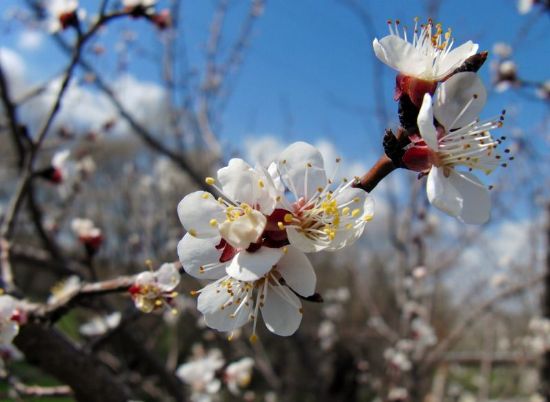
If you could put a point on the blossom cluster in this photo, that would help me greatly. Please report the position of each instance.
(447, 140)
(251, 240)
(201, 374)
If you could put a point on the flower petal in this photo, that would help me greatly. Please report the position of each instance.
(7, 306)
(244, 230)
(281, 310)
(168, 277)
(145, 278)
(210, 302)
(248, 267)
(10, 329)
(362, 211)
(441, 192)
(476, 200)
(454, 59)
(196, 253)
(196, 212)
(401, 55)
(306, 244)
(297, 272)
(459, 100)
(239, 181)
(425, 123)
(302, 169)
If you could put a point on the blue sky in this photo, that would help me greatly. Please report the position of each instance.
(308, 72)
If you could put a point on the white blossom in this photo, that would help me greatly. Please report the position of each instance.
(321, 215)
(87, 233)
(154, 290)
(460, 140)
(502, 49)
(229, 303)
(200, 374)
(430, 56)
(424, 335)
(524, 6)
(397, 359)
(398, 394)
(327, 334)
(100, 325)
(238, 374)
(64, 290)
(138, 3)
(235, 242)
(61, 13)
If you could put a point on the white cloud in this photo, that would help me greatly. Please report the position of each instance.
(262, 149)
(30, 40)
(15, 70)
(83, 106)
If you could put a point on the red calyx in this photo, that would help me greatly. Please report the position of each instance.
(134, 289)
(414, 88)
(57, 176)
(17, 317)
(162, 20)
(136, 11)
(51, 174)
(418, 158)
(92, 243)
(68, 19)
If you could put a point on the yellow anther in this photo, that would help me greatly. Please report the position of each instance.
(345, 211)
(355, 212)
(368, 218)
(319, 189)
(285, 250)
(356, 199)
(280, 225)
(278, 198)
(338, 160)
(261, 183)
(210, 180)
(158, 303)
(309, 164)
(253, 338)
(213, 223)
(174, 311)
(349, 226)
(205, 196)
(193, 232)
(288, 218)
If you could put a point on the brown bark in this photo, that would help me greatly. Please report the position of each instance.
(90, 379)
